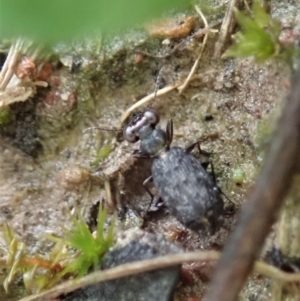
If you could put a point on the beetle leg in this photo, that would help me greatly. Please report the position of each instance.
(169, 132)
(190, 148)
(150, 179)
(204, 164)
(215, 181)
(158, 201)
(138, 154)
(213, 173)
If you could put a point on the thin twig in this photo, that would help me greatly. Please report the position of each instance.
(107, 129)
(247, 6)
(10, 63)
(226, 28)
(262, 207)
(184, 85)
(158, 80)
(124, 270)
(109, 199)
(150, 265)
(146, 99)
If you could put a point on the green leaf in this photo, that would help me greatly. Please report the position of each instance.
(57, 20)
(8, 234)
(15, 264)
(261, 17)
(258, 37)
(90, 249)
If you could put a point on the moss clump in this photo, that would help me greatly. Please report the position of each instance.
(89, 248)
(102, 154)
(238, 176)
(259, 35)
(5, 117)
(73, 254)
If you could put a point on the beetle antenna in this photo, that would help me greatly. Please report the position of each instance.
(157, 86)
(103, 129)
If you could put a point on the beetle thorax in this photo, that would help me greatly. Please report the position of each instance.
(153, 140)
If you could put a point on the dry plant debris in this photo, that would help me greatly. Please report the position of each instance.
(16, 77)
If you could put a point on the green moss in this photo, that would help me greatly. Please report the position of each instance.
(259, 35)
(238, 176)
(74, 253)
(102, 154)
(5, 117)
(89, 249)
(265, 130)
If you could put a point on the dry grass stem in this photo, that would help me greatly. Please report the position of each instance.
(10, 63)
(188, 79)
(150, 265)
(146, 99)
(226, 28)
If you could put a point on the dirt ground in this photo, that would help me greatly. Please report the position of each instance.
(51, 164)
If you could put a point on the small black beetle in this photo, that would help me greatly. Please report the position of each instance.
(184, 185)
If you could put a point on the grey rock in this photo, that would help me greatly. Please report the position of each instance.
(151, 286)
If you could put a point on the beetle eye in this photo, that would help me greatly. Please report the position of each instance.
(151, 116)
(129, 135)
